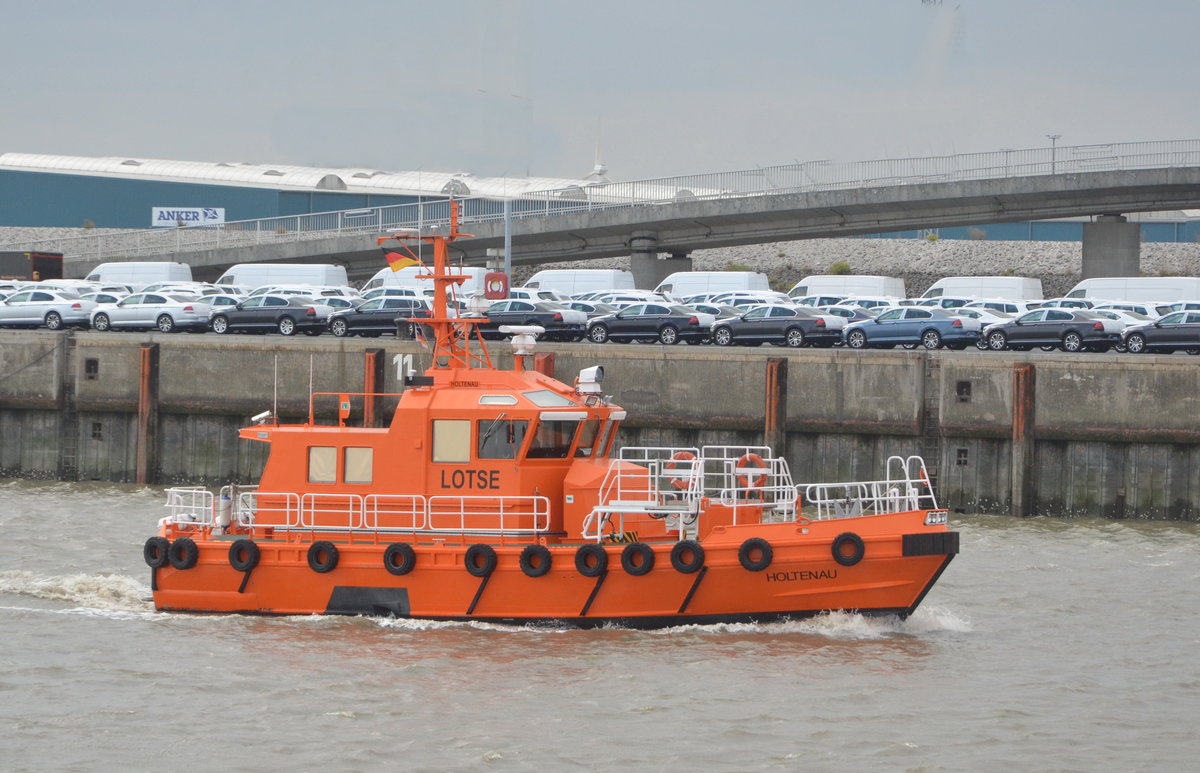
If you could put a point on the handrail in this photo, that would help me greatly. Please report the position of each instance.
(807, 177)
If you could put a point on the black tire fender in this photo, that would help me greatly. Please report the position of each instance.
(322, 556)
(183, 553)
(399, 558)
(637, 559)
(480, 560)
(155, 552)
(749, 548)
(838, 548)
(535, 560)
(244, 555)
(591, 560)
(680, 553)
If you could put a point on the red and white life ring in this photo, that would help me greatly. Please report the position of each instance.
(751, 471)
(682, 461)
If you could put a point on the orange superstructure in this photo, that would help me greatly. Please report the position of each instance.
(497, 495)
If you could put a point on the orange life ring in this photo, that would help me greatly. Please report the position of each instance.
(747, 479)
(682, 483)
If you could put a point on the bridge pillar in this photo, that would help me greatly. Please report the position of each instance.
(1111, 247)
(648, 270)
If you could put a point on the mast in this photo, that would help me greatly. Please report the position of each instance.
(452, 334)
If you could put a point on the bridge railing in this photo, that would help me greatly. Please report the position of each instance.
(801, 178)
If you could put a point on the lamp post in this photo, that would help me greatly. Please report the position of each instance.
(1053, 151)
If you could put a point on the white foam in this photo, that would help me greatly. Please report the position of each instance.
(105, 592)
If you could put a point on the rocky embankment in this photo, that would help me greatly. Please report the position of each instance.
(918, 261)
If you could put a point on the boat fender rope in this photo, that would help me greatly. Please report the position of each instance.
(591, 560)
(322, 556)
(535, 560)
(155, 552)
(682, 461)
(183, 553)
(751, 471)
(838, 547)
(480, 560)
(748, 550)
(637, 558)
(399, 558)
(687, 556)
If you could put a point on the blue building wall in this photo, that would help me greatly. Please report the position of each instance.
(70, 201)
(1050, 231)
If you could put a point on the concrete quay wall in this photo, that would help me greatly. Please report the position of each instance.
(1052, 434)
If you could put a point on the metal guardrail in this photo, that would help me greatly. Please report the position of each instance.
(805, 177)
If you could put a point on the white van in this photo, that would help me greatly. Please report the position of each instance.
(848, 284)
(684, 283)
(410, 277)
(254, 275)
(138, 274)
(572, 281)
(1138, 288)
(1017, 288)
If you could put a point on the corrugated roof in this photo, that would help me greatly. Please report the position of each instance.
(282, 176)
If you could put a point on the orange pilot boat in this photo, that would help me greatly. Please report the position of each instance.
(496, 495)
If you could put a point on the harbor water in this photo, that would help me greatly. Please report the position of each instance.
(1047, 645)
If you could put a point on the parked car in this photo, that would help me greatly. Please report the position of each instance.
(221, 300)
(1004, 305)
(377, 316)
(668, 323)
(592, 308)
(1067, 303)
(393, 292)
(101, 299)
(778, 324)
(946, 301)
(928, 327)
(1150, 310)
(559, 322)
(1073, 330)
(1177, 330)
(871, 303)
(53, 308)
(286, 314)
(167, 313)
(1126, 318)
(979, 317)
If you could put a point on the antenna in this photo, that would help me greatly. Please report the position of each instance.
(275, 399)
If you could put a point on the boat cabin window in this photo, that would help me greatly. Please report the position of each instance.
(544, 398)
(359, 465)
(552, 439)
(452, 440)
(322, 464)
(604, 447)
(587, 438)
(499, 438)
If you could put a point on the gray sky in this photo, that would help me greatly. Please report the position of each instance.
(663, 87)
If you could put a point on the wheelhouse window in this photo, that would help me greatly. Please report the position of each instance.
(500, 438)
(322, 464)
(451, 440)
(359, 465)
(587, 438)
(552, 439)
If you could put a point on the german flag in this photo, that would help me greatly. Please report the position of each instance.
(398, 261)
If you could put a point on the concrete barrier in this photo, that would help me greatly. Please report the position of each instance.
(1099, 435)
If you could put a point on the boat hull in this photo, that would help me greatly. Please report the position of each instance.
(890, 575)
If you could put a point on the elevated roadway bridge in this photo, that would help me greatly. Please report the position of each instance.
(660, 222)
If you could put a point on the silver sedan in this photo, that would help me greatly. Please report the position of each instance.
(53, 308)
(166, 313)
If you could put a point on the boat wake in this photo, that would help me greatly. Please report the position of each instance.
(832, 625)
(89, 592)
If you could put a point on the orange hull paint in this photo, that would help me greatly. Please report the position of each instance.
(802, 579)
